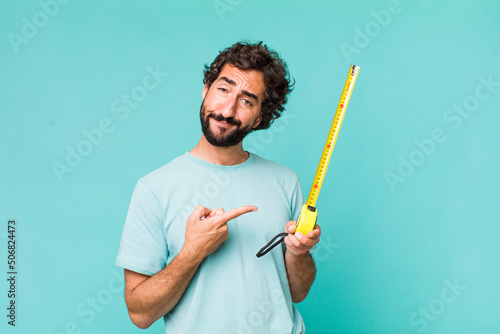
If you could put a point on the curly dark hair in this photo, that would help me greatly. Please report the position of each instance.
(247, 56)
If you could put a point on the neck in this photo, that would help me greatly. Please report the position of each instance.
(226, 156)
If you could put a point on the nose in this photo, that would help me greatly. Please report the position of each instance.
(228, 110)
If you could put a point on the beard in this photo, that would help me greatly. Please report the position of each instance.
(227, 137)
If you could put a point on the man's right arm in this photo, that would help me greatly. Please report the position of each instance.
(148, 298)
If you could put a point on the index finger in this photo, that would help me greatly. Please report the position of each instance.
(231, 214)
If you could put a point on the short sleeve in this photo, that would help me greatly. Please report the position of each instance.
(143, 247)
(297, 200)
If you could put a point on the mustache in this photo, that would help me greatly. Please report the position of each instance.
(229, 120)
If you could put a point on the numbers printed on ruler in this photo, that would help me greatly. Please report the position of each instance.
(308, 213)
(332, 136)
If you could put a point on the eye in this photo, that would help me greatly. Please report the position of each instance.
(247, 102)
(222, 89)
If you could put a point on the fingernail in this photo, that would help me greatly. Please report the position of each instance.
(298, 235)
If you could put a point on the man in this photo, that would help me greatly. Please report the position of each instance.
(196, 266)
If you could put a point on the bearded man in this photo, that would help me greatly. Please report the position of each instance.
(190, 261)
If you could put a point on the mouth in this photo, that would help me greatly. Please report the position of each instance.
(222, 123)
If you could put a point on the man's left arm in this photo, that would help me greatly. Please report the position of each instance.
(300, 266)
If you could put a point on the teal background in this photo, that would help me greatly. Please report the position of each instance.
(387, 252)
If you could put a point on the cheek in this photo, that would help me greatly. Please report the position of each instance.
(247, 120)
(214, 102)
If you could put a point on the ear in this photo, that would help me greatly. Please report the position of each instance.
(204, 92)
(257, 122)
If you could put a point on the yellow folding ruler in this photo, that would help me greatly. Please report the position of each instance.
(308, 213)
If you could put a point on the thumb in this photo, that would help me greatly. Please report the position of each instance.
(291, 226)
(200, 212)
(215, 212)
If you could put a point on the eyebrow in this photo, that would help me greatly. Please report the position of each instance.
(244, 92)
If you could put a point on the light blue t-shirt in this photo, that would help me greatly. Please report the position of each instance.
(232, 291)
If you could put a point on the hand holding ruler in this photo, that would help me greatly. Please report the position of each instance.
(308, 213)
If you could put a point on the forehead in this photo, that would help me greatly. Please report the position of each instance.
(250, 80)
